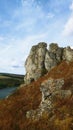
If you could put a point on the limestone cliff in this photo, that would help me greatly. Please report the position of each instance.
(41, 60)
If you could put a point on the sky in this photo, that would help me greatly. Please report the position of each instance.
(24, 23)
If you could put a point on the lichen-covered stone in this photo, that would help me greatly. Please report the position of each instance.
(34, 64)
(41, 60)
(51, 89)
(68, 54)
(53, 47)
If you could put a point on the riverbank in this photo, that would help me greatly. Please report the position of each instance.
(10, 80)
(5, 92)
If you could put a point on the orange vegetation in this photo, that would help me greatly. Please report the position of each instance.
(13, 109)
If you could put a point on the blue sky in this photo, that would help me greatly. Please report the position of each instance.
(24, 23)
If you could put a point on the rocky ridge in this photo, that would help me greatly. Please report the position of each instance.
(41, 60)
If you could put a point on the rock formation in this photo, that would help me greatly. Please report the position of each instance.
(47, 103)
(68, 54)
(34, 64)
(51, 89)
(42, 60)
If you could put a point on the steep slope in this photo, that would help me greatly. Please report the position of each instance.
(14, 109)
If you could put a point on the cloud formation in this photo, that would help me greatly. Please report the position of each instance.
(68, 27)
(71, 6)
(24, 23)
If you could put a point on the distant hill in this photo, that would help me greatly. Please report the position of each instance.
(10, 80)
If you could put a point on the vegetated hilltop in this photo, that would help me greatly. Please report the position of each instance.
(10, 80)
(45, 102)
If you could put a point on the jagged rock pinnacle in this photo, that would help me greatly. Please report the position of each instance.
(42, 60)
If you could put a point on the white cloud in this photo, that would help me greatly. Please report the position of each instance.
(29, 14)
(1, 38)
(68, 27)
(15, 54)
(72, 47)
(17, 47)
(50, 15)
(71, 6)
(29, 24)
(27, 2)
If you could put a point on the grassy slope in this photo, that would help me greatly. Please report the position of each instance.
(13, 109)
(10, 80)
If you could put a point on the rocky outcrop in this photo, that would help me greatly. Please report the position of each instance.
(53, 56)
(34, 64)
(50, 89)
(68, 54)
(42, 60)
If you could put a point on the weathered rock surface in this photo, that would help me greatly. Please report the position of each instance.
(34, 64)
(68, 54)
(51, 89)
(42, 60)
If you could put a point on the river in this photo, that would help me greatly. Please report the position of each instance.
(6, 91)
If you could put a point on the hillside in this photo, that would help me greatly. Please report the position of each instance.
(13, 110)
(10, 80)
(45, 103)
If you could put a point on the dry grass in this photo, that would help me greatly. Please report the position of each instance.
(13, 109)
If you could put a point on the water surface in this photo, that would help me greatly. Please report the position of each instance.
(6, 91)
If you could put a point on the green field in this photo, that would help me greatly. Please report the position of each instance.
(10, 80)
